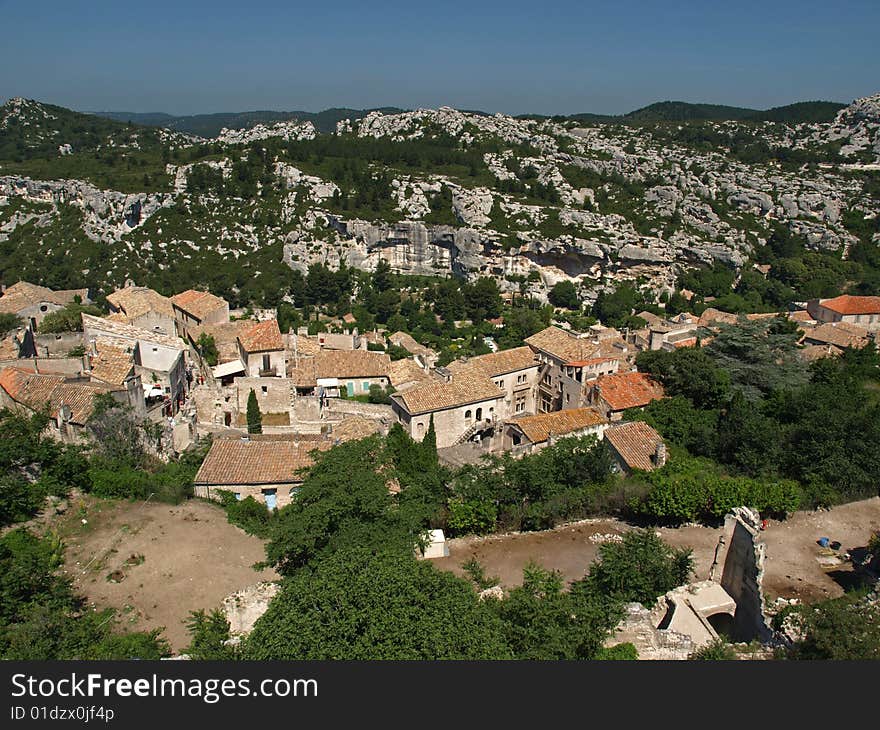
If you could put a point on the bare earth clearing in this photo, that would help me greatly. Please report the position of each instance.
(155, 563)
(791, 568)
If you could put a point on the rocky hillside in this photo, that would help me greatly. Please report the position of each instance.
(85, 200)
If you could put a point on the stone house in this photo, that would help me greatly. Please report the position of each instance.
(261, 350)
(159, 359)
(266, 467)
(32, 303)
(193, 308)
(353, 371)
(425, 355)
(615, 393)
(114, 366)
(861, 311)
(142, 307)
(526, 434)
(514, 371)
(464, 407)
(571, 362)
(70, 402)
(635, 445)
(837, 334)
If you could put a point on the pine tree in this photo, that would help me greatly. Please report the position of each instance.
(254, 417)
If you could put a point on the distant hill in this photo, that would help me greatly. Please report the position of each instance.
(209, 125)
(802, 111)
(681, 111)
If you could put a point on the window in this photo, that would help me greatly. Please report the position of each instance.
(366, 385)
(479, 413)
(499, 383)
(420, 428)
(467, 415)
(264, 389)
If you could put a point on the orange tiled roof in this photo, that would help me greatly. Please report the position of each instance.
(111, 364)
(463, 389)
(406, 371)
(352, 364)
(627, 390)
(302, 372)
(497, 363)
(572, 349)
(198, 303)
(103, 327)
(849, 304)
(257, 460)
(36, 391)
(225, 336)
(262, 337)
(636, 443)
(538, 428)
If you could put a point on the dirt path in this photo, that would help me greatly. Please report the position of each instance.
(791, 568)
(155, 563)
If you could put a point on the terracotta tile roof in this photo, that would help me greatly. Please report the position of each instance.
(461, 390)
(840, 334)
(636, 443)
(571, 348)
(262, 337)
(302, 372)
(134, 301)
(406, 371)
(849, 304)
(303, 344)
(103, 327)
(197, 303)
(111, 364)
(627, 390)
(37, 391)
(538, 428)
(354, 428)
(225, 336)
(801, 315)
(23, 294)
(351, 364)
(258, 460)
(497, 363)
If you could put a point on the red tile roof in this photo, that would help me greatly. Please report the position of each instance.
(538, 428)
(37, 391)
(497, 363)
(849, 304)
(636, 443)
(262, 337)
(197, 303)
(257, 460)
(627, 390)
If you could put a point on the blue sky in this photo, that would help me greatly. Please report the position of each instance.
(514, 57)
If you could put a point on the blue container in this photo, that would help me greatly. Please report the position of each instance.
(823, 541)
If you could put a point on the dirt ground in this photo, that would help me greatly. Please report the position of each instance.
(155, 563)
(791, 569)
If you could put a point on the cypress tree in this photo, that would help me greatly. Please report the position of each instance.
(254, 417)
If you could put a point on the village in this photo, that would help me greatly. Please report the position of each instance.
(313, 391)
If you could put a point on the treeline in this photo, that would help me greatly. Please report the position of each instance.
(808, 434)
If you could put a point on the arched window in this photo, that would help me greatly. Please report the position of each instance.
(479, 414)
(467, 415)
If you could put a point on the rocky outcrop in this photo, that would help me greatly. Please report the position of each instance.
(284, 130)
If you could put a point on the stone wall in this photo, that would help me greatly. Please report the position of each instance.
(743, 574)
(59, 343)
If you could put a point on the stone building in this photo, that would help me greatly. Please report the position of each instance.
(70, 402)
(572, 361)
(635, 445)
(261, 350)
(514, 371)
(265, 467)
(353, 371)
(527, 434)
(142, 307)
(861, 311)
(32, 303)
(462, 408)
(193, 308)
(613, 394)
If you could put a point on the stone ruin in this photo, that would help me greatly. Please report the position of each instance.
(729, 605)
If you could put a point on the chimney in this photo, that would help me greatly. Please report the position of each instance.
(659, 457)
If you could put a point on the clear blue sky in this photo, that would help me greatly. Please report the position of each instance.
(562, 56)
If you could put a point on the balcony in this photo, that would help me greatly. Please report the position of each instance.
(270, 372)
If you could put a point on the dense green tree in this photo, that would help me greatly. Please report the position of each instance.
(254, 417)
(359, 603)
(640, 568)
(207, 348)
(846, 628)
(68, 319)
(564, 294)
